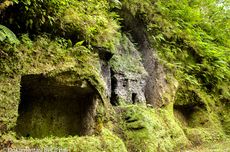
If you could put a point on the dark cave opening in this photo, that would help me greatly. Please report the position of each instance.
(114, 83)
(48, 108)
(134, 98)
(184, 111)
(192, 115)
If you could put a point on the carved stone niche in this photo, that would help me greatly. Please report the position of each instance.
(51, 108)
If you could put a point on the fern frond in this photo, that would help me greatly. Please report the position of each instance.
(7, 35)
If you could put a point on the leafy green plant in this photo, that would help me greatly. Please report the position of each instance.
(91, 21)
(191, 37)
(6, 35)
(41, 13)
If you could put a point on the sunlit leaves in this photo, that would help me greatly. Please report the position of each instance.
(192, 36)
(7, 36)
(93, 22)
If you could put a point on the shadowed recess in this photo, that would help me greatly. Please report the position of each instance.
(48, 108)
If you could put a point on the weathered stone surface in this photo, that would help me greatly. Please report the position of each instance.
(157, 85)
(128, 89)
(128, 74)
(105, 56)
(106, 73)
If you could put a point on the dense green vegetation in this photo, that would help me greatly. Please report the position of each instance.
(191, 40)
(87, 21)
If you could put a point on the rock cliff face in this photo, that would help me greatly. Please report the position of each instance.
(156, 84)
(130, 90)
(128, 81)
(88, 76)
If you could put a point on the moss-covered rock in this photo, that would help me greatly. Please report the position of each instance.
(183, 46)
(54, 60)
(147, 129)
(105, 141)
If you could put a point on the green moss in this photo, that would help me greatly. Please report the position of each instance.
(213, 146)
(223, 109)
(106, 141)
(184, 38)
(9, 100)
(88, 21)
(127, 58)
(198, 115)
(190, 96)
(146, 129)
(199, 125)
(93, 22)
(203, 93)
(52, 58)
(200, 135)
